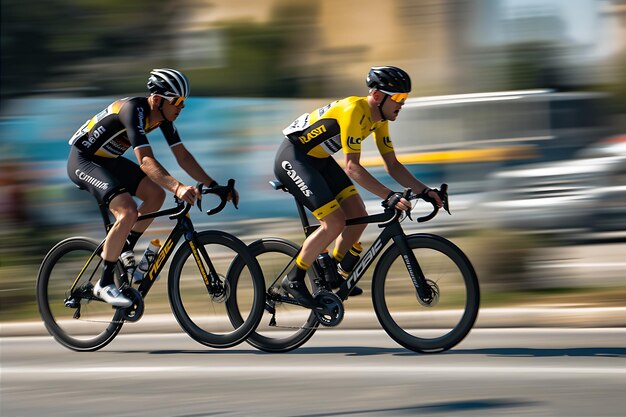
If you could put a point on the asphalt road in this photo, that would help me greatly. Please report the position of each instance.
(494, 372)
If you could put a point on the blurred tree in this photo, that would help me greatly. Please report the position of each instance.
(49, 45)
(64, 45)
(264, 59)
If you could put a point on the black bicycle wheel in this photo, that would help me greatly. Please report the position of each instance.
(418, 326)
(97, 322)
(295, 325)
(204, 316)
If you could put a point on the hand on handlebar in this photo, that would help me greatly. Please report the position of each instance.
(398, 201)
(187, 193)
(432, 196)
(224, 192)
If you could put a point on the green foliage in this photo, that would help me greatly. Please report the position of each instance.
(68, 44)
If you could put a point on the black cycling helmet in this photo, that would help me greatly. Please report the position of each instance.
(168, 82)
(389, 80)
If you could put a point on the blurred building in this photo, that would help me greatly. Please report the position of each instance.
(448, 45)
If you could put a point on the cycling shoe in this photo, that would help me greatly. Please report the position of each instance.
(111, 295)
(299, 291)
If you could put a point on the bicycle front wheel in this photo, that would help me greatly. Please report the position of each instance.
(201, 312)
(416, 325)
(76, 319)
(294, 325)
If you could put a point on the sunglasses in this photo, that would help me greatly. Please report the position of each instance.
(398, 97)
(176, 101)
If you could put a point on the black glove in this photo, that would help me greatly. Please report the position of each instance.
(424, 194)
(392, 199)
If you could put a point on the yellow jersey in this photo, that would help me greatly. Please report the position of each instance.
(342, 124)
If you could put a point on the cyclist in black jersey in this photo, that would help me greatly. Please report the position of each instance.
(305, 166)
(96, 164)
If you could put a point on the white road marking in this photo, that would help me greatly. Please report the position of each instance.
(290, 368)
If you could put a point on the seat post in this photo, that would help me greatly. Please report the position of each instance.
(104, 212)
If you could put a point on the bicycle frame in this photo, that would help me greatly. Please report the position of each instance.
(392, 230)
(184, 227)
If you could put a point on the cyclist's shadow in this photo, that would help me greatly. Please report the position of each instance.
(328, 350)
(599, 352)
(608, 352)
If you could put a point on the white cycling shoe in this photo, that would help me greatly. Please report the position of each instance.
(111, 295)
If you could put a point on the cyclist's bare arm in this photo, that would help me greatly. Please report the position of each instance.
(157, 173)
(358, 173)
(187, 162)
(398, 172)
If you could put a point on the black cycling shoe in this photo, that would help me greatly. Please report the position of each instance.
(299, 291)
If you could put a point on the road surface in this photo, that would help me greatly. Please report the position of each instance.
(493, 372)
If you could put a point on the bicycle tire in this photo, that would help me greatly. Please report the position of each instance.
(203, 316)
(269, 338)
(60, 267)
(399, 312)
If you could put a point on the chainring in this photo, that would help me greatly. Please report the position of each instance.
(329, 311)
(134, 312)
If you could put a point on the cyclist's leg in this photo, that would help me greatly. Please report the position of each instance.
(129, 177)
(100, 177)
(152, 197)
(351, 203)
(352, 206)
(124, 210)
(302, 175)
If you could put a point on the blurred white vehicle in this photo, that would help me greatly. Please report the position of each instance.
(587, 193)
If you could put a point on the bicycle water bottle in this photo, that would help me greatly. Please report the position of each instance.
(328, 267)
(349, 261)
(146, 260)
(128, 260)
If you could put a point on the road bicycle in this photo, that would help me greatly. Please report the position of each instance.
(199, 285)
(425, 292)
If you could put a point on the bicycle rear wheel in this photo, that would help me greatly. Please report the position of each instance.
(295, 325)
(203, 315)
(97, 322)
(418, 326)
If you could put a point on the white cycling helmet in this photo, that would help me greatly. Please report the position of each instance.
(167, 82)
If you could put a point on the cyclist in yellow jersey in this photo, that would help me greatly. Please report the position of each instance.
(304, 165)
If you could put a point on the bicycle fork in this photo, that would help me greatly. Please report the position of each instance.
(413, 268)
(215, 287)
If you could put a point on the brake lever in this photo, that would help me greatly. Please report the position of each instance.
(406, 195)
(443, 195)
(199, 187)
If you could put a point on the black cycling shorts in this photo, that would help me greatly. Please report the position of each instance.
(320, 184)
(105, 178)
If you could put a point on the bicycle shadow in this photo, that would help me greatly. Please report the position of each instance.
(443, 407)
(605, 352)
(358, 351)
(484, 405)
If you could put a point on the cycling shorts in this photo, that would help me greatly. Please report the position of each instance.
(320, 184)
(105, 178)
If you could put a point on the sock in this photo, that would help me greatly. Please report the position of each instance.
(131, 241)
(107, 273)
(338, 256)
(298, 272)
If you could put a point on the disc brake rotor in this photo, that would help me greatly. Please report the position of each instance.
(222, 295)
(434, 291)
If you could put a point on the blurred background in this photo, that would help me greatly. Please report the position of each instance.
(519, 105)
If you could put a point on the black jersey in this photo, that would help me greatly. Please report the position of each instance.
(124, 123)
